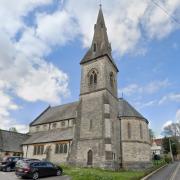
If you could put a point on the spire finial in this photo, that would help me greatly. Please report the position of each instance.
(100, 5)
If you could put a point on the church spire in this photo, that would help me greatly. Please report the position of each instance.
(100, 45)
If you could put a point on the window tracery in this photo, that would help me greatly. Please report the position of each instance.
(93, 78)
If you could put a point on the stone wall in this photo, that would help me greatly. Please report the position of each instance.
(104, 67)
(91, 110)
(53, 157)
(98, 124)
(136, 148)
(135, 129)
(54, 125)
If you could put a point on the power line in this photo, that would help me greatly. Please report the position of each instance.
(165, 11)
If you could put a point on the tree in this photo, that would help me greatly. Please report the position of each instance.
(172, 130)
(151, 134)
(174, 145)
(13, 129)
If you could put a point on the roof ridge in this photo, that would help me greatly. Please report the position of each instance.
(40, 115)
(13, 132)
(64, 104)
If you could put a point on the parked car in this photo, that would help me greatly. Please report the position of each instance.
(8, 163)
(36, 169)
(25, 160)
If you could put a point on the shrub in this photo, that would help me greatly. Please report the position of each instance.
(167, 159)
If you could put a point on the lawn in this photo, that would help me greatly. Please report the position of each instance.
(99, 174)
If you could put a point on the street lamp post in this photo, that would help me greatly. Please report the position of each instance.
(171, 150)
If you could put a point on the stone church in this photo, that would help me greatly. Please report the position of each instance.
(98, 130)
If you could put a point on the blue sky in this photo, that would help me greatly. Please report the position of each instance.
(43, 41)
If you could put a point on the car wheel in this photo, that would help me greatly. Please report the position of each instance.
(8, 169)
(35, 175)
(59, 172)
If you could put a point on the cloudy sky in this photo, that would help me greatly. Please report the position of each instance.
(43, 41)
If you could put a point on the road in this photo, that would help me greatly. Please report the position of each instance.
(12, 176)
(170, 172)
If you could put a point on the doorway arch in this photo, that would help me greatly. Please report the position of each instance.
(90, 157)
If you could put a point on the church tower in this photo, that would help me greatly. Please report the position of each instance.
(98, 68)
(95, 133)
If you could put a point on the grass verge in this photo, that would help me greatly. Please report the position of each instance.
(77, 173)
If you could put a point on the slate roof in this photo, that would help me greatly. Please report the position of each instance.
(100, 39)
(57, 113)
(50, 136)
(126, 110)
(11, 141)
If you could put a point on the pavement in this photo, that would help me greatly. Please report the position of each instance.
(170, 172)
(12, 176)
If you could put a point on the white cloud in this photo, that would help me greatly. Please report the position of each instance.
(164, 24)
(178, 116)
(149, 88)
(47, 83)
(12, 13)
(57, 28)
(176, 119)
(147, 104)
(7, 104)
(175, 97)
(24, 71)
(130, 89)
(128, 24)
(167, 123)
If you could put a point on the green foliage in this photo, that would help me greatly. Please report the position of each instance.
(78, 173)
(167, 158)
(151, 134)
(174, 145)
(99, 174)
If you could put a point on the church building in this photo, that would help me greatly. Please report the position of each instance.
(99, 129)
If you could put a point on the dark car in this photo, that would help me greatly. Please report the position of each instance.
(25, 160)
(8, 163)
(36, 169)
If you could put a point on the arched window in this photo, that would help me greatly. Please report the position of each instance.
(92, 78)
(94, 47)
(57, 148)
(61, 148)
(129, 130)
(65, 148)
(141, 131)
(95, 78)
(90, 124)
(111, 78)
(89, 157)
